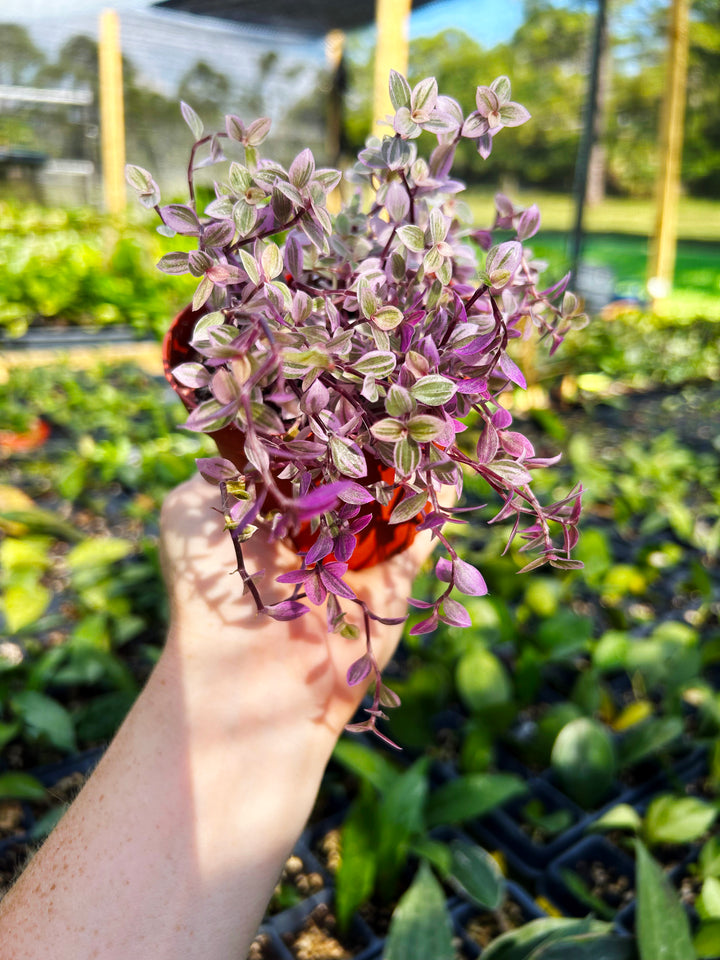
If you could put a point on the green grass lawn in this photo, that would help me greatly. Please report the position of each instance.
(617, 237)
(697, 219)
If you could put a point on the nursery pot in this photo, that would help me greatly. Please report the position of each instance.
(377, 542)
(12, 441)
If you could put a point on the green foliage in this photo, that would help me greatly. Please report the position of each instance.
(383, 829)
(669, 819)
(70, 267)
(583, 758)
(522, 944)
(662, 924)
(421, 928)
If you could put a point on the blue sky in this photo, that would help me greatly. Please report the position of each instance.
(162, 44)
(488, 21)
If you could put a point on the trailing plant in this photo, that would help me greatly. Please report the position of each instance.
(346, 352)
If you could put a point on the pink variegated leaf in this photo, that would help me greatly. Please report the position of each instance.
(359, 670)
(388, 698)
(468, 580)
(516, 445)
(501, 418)
(320, 549)
(420, 604)
(425, 626)
(512, 371)
(488, 444)
(318, 500)
(315, 590)
(216, 469)
(344, 547)
(286, 610)
(333, 583)
(455, 614)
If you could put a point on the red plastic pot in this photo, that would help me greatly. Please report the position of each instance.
(15, 442)
(377, 542)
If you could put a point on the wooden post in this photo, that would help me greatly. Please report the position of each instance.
(391, 52)
(112, 120)
(661, 263)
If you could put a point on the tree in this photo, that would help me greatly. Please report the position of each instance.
(20, 59)
(701, 158)
(204, 88)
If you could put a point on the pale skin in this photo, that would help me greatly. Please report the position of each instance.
(174, 845)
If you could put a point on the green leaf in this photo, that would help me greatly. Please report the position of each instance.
(648, 737)
(672, 819)
(420, 928)
(24, 601)
(589, 946)
(709, 859)
(511, 472)
(577, 886)
(97, 552)
(398, 401)
(482, 681)
(425, 428)
(367, 299)
(708, 903)
(387, 318)
(244, 217)
(413, 238)
(424, 94)
(202, 293)
(250, 266)
(8, 732)
(476, 875)
(47, 823)
(471, 796)
(239, 178)
(366, 763)
(377, 362)
(355, 877)
(519, 944)
(101, 717)
(433, 390)
(410, 507)
(401, 816)
(138, 177)
(662, 925)
(435, 852)
(21, 786)
(43, 521)
(437, 225)
(621, 817)
(399, 90)
(92, 631)
(272, 261)
(192, 120)
(348, 462)
(406, 457)
(27, 552)
(707, 941)
(389, 430)
(45, 718)
(583, 758)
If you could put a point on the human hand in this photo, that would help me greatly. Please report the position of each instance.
(295, 669)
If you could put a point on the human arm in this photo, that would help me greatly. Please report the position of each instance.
(174, 845)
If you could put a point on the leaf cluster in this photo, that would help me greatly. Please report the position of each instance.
(337, 346)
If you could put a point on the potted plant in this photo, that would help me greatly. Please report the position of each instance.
(334, 359)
